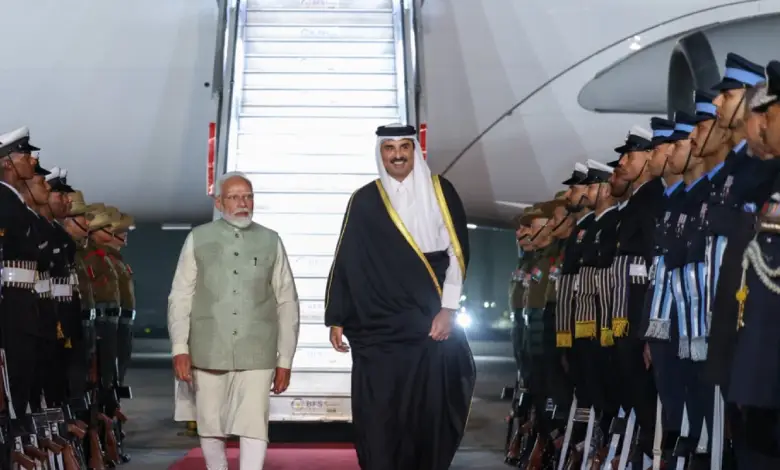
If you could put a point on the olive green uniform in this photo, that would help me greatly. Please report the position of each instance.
(126, 287)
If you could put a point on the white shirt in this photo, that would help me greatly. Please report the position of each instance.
(183, 291)
(402, 197)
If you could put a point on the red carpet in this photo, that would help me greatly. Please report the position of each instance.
(284, 457)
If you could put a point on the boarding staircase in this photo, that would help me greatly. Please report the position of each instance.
(312, 79)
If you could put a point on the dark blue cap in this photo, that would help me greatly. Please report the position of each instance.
(39, 170)
(739, 73)
(662, 128)
(684, 124)
(772, 95)
(58, 185)
(705, 109)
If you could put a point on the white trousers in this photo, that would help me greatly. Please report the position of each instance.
(232, 403)
(252, 456)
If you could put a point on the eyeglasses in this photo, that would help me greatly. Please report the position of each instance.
(240, 197)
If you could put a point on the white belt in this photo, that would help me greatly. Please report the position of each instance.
(24, 276)
(62, 290)
(43, 286)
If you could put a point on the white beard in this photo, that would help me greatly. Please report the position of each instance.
(238, 222)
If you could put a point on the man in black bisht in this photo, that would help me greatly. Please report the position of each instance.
(394, 290)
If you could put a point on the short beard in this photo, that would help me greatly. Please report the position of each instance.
(238, 222)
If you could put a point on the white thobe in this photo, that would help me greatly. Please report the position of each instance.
(402, 196)
(229, 402)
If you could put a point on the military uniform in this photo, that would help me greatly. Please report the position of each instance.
(517, 298)
(105, 291)
(537, 279)
(559, 386)
(127, 311)
(47, 386)
(19, 239)
(83, 330)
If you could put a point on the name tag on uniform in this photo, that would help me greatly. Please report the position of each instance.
(637, 270)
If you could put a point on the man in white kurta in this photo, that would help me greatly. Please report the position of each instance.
(233, 320)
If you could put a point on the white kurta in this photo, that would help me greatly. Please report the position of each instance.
(229, 402)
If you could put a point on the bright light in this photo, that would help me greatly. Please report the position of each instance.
(462, 298)
(471, 226)
(492, 305)
(463, 319)
(634, 46)
(486, 305)
(176, 226)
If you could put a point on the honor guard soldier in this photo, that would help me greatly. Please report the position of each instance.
(739, 185)
(83, 337)
(518, 288)
(660, 327)
(557, 385)
(632, 179)
(521, 406)
(755, 373)
(567, 283)
(569, 334)
(595, 300)
(45, 387)
(19, 252)
(105, 290)
(64, 283)
(533, 315)
(119, 231)
(83, 374)
(730, 225)
(688, 275)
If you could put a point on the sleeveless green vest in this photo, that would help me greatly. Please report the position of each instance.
(234, 322)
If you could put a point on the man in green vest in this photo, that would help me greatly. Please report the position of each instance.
(233, 319)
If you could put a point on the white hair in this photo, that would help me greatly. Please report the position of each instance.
(225, 177)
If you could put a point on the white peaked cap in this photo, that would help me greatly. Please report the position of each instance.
(580, 167)
(641, 132)
(600, 166)
(56, 172)
(15, 135)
